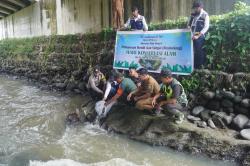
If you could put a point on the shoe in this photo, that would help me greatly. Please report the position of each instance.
(180, 119)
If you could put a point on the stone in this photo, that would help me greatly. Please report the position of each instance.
(205, 115)
(59, 86)
(228, 110)
(211, 124)
(221, 114)
(245, 103)
(228, 94)
(82, 86)
(245, 134)
(201, 124)
(44, 79)
(218, 122)
(227, 103)
(213, 105)
(193, 118)
(218, 96)
(240, 121)
(241, 110)
(197, 110)
(228, 119)
(213, 112)
(247, 126)
(71, 86)
(237, 99)
(208, 95)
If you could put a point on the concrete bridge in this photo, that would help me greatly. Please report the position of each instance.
(28, 18)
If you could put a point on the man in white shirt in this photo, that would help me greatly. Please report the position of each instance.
(136, 22)
(199, 24)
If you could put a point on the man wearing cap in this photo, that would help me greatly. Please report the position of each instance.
(96, 83)
(172, 97)
(143, 95)
(126, 86)
(199, 24)
(136, 22)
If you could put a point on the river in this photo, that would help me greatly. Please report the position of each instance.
(33, 133)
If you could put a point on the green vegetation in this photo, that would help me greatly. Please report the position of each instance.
(227, 45)
(228, 39)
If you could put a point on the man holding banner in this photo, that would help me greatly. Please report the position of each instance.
(136, 22)
(199, 24)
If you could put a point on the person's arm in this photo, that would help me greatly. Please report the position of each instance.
(93, 86)
(206, 26)
(155, 98)
(176, 94)
(145, 25)
(145, 96)
(107, 91)
(127, 24)
(114, 98)
(132, 93)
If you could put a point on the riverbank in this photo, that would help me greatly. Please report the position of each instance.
(221, 144)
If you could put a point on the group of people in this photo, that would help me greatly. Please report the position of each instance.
(198, 23)
(141, 90)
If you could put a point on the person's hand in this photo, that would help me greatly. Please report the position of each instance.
(136, 98)
(195, 37)
(153, 103)
(138, 84)
(129, 97)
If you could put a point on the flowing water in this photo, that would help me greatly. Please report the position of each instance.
(33, 132)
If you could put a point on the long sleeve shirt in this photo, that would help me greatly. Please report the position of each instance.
(145, 26)
(193, 22)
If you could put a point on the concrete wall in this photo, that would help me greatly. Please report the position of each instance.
(48, 17)
(78, 16)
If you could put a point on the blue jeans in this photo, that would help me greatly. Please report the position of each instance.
(199, 52)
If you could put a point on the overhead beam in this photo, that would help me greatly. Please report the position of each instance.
(5, 11)
(2, 15)
(8, 6)
(18, 3)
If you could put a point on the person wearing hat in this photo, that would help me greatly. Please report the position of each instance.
(137, 21)
(143, 95)
(199, 25)
(96, 83)
(126, 86)
(172, 97)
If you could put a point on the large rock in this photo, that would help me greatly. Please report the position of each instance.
(201, 124)
(208, 95)
(59, 86)
(211, 124)
(228, 94)
(240, 121)
(213, 105)
(245, 103)
(245, 134)
(227, 103)
(205, 115)
(247, 126)
(228, 119)
(218, 122)
(240, 110)
(197, 110)
(193, 118)
(237, 99)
